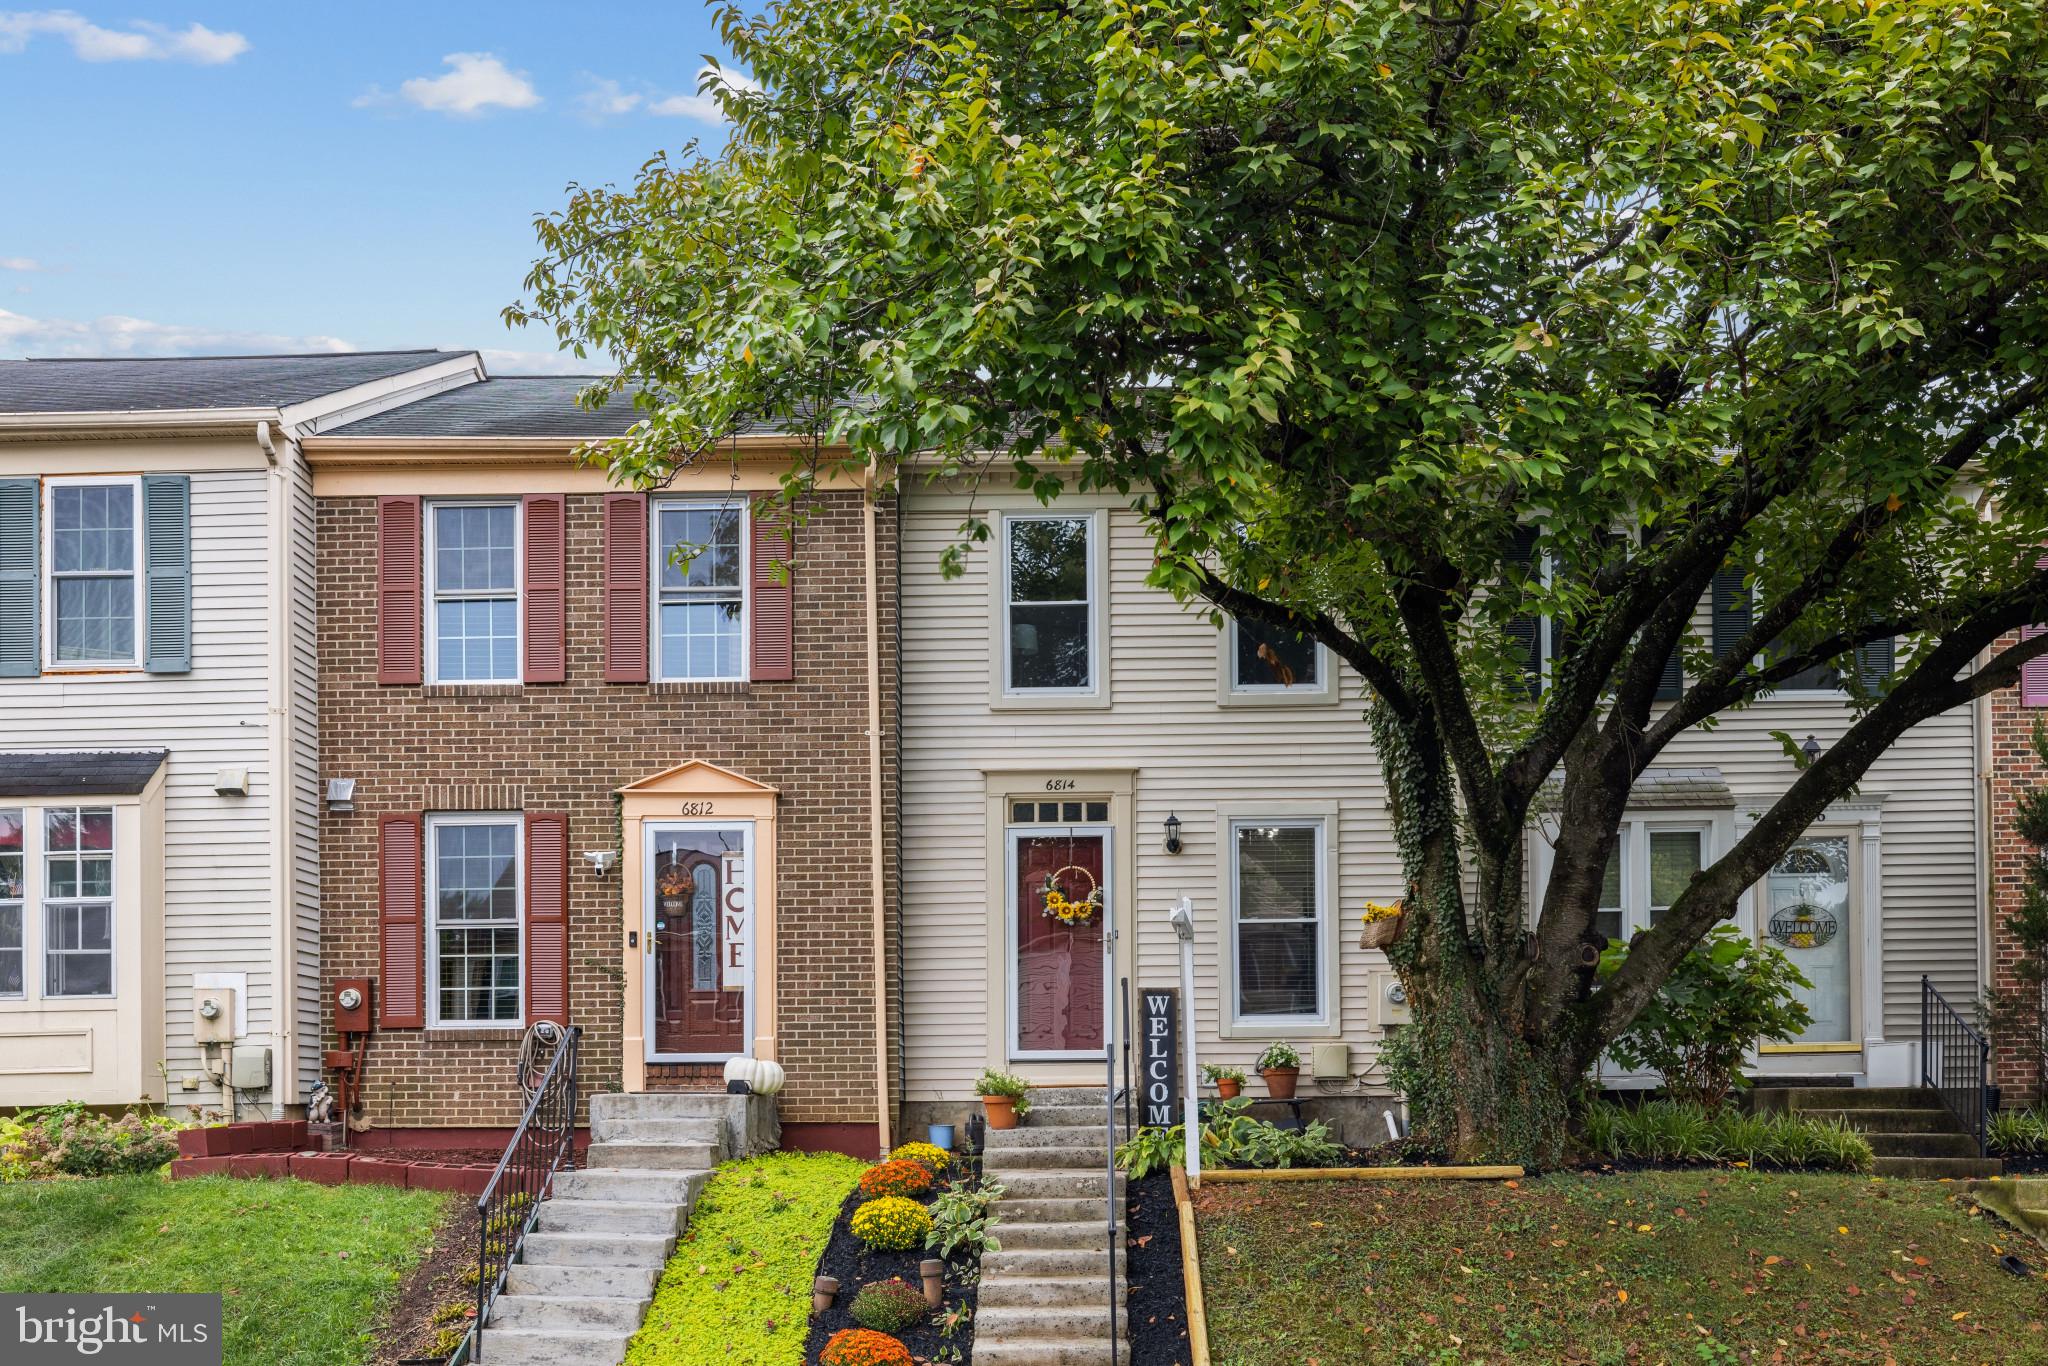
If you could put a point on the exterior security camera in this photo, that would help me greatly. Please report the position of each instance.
(601, 860)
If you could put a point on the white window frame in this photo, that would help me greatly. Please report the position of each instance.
(44, 903)
(24, 903)
(1327, 1021)
(51, 663)
(658, 555)
(435, 594)
(1634, 849)
(1232, 693)
(440, 820)
(1096, 693)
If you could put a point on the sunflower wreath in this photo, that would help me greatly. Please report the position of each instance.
(1068, 911)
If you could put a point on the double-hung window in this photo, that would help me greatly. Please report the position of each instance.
(1048, 604)
(1279, 914)
(78, 901)
(13, 902)
(473, 932)
(700, 573)
(1648, 871)
(1265, 663)
(94, 594)
(473, 582)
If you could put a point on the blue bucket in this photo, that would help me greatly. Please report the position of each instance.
(941, 1136)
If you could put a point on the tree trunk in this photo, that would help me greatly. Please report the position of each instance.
(1482, 1079)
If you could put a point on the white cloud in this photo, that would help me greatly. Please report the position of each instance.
(475, 81)
(501, 362)
(19, 263)
(140, 42)
(703, 106)
(606, 99)
(114, 335)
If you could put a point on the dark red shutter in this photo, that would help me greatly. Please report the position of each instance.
(625, 588)
(546, 583)
(772, 596)
(401, 922)
(399, 625)
(547, 918)
(2033, 674)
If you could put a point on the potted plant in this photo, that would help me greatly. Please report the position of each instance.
(1280, 1065)
(1382, 924)
(1005, 1099)
(1227, 1080)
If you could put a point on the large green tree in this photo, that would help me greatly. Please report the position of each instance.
(1355, 296)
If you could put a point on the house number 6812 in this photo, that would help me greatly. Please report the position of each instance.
(696, 809)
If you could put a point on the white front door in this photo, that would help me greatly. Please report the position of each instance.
(699, 922)
(1806, 913)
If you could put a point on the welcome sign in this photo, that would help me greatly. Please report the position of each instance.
(1160, 1079)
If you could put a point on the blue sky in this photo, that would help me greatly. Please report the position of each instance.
(211, 177)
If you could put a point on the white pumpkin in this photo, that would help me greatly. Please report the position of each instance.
(768, 1079)
(743, 1069)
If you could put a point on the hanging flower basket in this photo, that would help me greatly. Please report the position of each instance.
(1382, 924)
(1069, 910)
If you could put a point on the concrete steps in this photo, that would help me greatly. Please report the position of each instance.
(1910, 1134)
(1044, 1298)
(588, 1270)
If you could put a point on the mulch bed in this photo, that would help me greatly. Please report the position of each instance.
(856, 1265)
(411, 1330)
(1158, 1303)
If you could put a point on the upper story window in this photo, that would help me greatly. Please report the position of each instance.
(94, 595)
(700, 574)
(13, 898)
(1279, 918)
(78, 901)
(1048, 603)
(1266, 664)
(473, 585)
(473, 890)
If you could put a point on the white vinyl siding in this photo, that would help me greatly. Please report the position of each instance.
(218, 898)
(1203, 760)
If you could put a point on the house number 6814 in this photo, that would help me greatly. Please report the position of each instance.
(1059, 784)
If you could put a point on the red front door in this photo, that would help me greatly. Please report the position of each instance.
(1058, 958)
(700, 1000)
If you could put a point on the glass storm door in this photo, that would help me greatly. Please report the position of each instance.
(1807, 916)
(700, 934)
(1059, 913)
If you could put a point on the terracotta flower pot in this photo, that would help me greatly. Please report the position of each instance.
(1227, 1087)
(1280, 1081)
(1000, 1111)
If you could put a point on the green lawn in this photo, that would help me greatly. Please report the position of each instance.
(737, 1292)
(1709, 1267)
(304, 1271)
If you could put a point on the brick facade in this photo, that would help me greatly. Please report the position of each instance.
(568, 747)
(2015, 768)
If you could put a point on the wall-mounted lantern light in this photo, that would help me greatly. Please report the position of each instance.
(1172, 833)
(1811, 749)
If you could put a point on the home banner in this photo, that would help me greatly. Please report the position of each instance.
(1160, 1076)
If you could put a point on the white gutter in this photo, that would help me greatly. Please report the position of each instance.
(878, 896)
(167, 421)
(284, 986)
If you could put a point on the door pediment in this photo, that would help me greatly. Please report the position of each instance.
(697, 778)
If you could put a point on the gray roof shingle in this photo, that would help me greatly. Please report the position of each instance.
(510, 405)
(138, 385)
(95, 774)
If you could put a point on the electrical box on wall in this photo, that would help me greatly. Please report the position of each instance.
(352, 1005)
(1330, 1062)
(1390, 1001)
(251, 1069)
(213, 1015)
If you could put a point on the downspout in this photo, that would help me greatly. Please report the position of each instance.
(878, 891)
(902, 986)
(284, 986)
(1985, 797)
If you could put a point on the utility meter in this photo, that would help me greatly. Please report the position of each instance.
(213, 1015)
(352, 1005)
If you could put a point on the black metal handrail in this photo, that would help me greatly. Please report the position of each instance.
(544, 1144)
(1954, 1061)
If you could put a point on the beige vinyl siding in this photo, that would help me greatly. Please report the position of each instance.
(1201, 761)
(217, 893)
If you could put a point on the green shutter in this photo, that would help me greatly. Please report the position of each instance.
(1523, 628)
(167, 572)
(1875, 662)
(1671, 684)
(1732, 608)
(20, 593)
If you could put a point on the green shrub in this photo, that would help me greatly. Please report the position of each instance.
(889, 1306)
(1679, 1131)
(963, 1218)
(1150, 1150)
(1231, 1137)
(1725, 996)
(70, 1140)
(2019, 1133)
